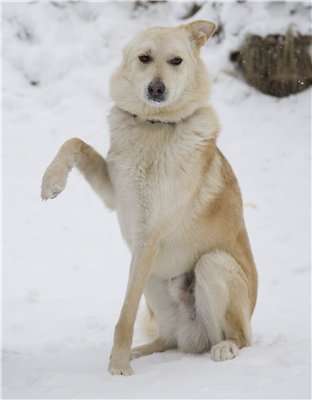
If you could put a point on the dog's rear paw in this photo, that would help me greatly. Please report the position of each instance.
(120, 369)
(53, 181)
(135, 353)
(225, 350)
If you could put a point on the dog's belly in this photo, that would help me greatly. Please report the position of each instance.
(174, 258)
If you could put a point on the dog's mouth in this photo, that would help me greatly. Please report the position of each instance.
(157, 99)
(156, 102)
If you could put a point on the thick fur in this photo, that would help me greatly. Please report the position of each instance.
(177, 200)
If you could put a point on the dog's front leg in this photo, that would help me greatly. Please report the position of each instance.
(76, 153)
(139, 272)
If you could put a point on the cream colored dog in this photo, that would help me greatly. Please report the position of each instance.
(177, 200)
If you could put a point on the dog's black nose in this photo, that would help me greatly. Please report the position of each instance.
(156, 90)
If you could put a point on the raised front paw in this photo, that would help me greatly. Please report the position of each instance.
(120, 368)
(54, 180)
(225, 350)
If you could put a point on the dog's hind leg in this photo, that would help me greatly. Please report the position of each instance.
(158, 345)
(222, 300)
(76, 153)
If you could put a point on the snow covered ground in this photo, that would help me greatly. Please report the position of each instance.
(65, 265)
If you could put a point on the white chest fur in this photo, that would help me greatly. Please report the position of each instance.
(155, 170)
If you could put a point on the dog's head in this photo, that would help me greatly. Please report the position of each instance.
(161, 74)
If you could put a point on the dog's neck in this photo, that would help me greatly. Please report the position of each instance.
(156, 121)
(152, 121)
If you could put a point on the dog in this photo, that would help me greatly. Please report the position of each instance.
(176, 197)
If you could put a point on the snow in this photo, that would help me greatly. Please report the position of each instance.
(65, 264)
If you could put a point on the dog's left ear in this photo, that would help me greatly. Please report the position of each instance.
(200, 31)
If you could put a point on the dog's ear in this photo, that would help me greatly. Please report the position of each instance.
(200, 31)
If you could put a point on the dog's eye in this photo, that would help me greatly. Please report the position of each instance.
(175, 61)
(145, 58)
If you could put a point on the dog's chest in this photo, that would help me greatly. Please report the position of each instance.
(153, 172)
